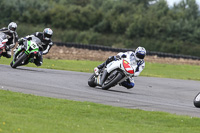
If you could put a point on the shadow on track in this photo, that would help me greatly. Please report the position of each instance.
(116, 91)
(125, 92)
(31, 70)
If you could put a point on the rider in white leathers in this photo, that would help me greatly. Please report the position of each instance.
(137, 57)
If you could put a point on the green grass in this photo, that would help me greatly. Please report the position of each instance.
(188, 72)
(71, 65)
(25, 113)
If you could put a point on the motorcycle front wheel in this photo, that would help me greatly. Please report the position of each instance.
(112, 80)
(197, 100)
(19, 60)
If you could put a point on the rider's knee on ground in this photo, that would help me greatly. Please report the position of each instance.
(37, 63)
(128, 85)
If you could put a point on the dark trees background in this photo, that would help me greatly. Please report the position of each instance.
(117, 23)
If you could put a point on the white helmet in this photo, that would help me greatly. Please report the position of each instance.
(140, 53)
(47, 33)
(12, 27)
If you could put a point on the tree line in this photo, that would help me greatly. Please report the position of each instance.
(117, 23)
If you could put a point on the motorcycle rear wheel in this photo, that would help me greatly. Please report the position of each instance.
(197, 100)
(111, 81)
(19, 61)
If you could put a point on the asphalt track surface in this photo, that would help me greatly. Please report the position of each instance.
(152, 94)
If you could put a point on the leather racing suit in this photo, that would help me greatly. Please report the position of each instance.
(128, 83)
(46, 44)
(12, 40)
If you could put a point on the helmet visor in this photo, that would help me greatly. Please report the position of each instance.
(140, 56)
(13, 29)
(47, 35)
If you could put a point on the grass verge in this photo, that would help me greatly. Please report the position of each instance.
(26, 113)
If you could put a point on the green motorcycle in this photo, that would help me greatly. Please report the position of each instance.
(26, 53)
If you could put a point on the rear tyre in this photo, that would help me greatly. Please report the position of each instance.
(91, 81)
(197, 100)
(111, 81)
(19, 61)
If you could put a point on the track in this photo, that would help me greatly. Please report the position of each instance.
(153, 94)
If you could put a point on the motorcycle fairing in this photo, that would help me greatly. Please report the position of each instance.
(127, 67)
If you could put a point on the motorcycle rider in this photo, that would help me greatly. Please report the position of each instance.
(45, 38)
(138, 56)
(12, 37)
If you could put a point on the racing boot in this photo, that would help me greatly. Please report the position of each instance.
(96, 71)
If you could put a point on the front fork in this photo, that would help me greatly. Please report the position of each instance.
(100, 78)
(17, 51)
(103, 77)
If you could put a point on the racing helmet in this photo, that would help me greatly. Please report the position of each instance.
(140, 53)
(12, 27)
(47, 33)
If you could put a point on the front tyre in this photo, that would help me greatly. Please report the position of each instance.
(111, 81)
(197, 100)
(19, 61)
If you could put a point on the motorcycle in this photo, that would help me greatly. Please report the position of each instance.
(3, 41)
(114, 73)
(26, 53)
(196, 100)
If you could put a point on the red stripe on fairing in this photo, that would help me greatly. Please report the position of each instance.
(127, 67)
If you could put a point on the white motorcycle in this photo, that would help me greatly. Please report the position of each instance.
(196, 100)
(114, 73)
(3, 41)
